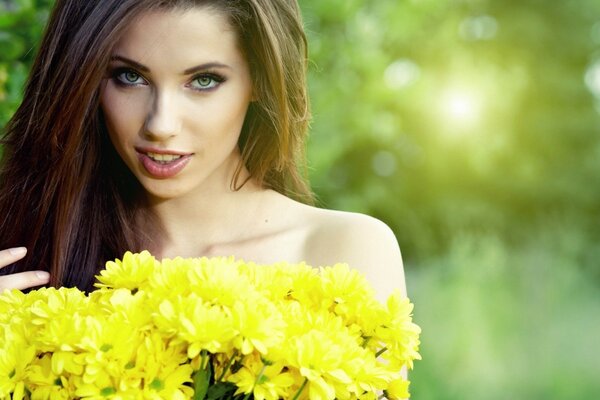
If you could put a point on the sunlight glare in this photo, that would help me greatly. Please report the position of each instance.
(461, 107)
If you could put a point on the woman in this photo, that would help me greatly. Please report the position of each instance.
(174, 126)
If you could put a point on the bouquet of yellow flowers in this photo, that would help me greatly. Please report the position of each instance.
(212, 329)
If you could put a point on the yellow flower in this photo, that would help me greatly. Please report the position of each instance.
(109, 343)
(150, 324)
(306, 285)
(135, 309)
(368, 375)
(398, 389)
(44, 383)
(266, 381)
(203, 326)
(272, 281)
(131, 273)
(163, 368)
(218, 281)
(170, 278)
(259, 325)
(15, 356)
(64, 333)
(400, 334)
(320, 357)
(11, 302)
(62, 362)
(342, 284)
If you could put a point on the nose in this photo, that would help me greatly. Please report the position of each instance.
(162, 121)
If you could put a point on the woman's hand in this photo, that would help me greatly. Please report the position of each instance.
(21, 280)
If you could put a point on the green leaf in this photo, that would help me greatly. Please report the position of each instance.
(221, 390)
(157, 385)
(108, 391)
(201, 382)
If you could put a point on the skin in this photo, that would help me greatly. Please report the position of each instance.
(193, 113)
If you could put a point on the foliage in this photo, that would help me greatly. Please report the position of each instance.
(506, 323)
(442, 117)
(21, 25)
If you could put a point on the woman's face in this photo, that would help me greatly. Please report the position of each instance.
(174, 100)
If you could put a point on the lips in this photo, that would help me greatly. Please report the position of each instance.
(163, 164)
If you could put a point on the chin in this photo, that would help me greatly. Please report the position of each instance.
(165, 190)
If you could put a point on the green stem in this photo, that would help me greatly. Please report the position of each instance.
(380, 352)
(301, 389)
(258, 378)
(366, 341)
(203, 360)
(229, 364)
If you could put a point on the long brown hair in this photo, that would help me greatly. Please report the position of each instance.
(64, 192)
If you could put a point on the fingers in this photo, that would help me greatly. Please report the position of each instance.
(9, 256)
(21, 280)
(24, 280)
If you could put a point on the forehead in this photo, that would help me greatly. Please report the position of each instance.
(179, 36)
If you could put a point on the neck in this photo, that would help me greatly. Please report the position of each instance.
(193, 226)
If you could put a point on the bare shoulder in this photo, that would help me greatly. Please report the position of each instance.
(361, 241)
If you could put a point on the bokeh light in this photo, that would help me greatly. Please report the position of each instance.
(461, 107)
(592, 78)
(401, 73)
(384, 163)
(483, 27)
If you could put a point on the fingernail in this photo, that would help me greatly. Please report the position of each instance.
(42, 275)
(17, 251)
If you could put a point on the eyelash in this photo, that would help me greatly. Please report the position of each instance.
(216, 78)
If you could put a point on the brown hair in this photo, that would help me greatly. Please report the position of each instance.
(64, 192)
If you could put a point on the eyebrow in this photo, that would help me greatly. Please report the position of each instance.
(188, 71)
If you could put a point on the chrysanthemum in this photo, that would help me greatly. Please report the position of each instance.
(130, 273)
(258, 325)
(163, 368)
(11, 302)
(398, 389)
(267, 381)
(400, 334)
(170, 278)
(44, 383)
(15, 356)
(306, 285)
(320, 358)
(135, 309)
(217, 281)
(202, 325)
(280, 331)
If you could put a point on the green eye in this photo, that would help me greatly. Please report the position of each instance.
(131, 77)
(127, 77)
(207, 81)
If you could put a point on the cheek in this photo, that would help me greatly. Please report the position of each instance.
(120, 115)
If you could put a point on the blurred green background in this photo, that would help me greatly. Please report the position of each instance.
(472, 128)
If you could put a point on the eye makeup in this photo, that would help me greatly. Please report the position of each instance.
(207, 81)
(123, 76)
(128, 77)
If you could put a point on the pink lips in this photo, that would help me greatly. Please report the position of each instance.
(162, 170)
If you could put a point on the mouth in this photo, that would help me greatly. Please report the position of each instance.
(162, 163)
(163, 158)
